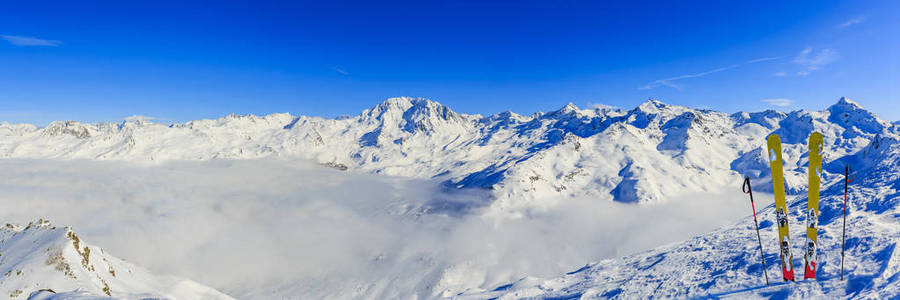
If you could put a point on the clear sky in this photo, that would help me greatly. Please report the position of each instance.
(182, 60)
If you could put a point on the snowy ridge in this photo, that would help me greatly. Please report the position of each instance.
(644, 155)
(40, 261)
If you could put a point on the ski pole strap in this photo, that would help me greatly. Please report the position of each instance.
(848, 174)
(746, 187)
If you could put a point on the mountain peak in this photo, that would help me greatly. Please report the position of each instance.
(412, 114)
(396, 104)
(567, 109)
(403, 104)
(394, 101)
(850, 114)
(651, 105)
(846, 102)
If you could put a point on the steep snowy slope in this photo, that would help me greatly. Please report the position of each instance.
(645, 155)
(725, 263)
(43, 257)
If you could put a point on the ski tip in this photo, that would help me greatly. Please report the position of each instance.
(816, 143)
(810, 271)
(788, 274)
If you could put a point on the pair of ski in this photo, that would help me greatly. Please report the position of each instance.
(812, 212)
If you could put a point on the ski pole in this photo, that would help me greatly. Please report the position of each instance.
(748, 190)
(844, 234)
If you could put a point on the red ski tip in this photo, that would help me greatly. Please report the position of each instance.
(810, 270)
(788, 274)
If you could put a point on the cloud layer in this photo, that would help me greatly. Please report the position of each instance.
(269, 229)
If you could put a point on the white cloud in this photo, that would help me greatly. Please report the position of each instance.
(670, 82)
(602, 106)
(779, 74)
(780, 102)
(812, 60)
(339, 70)
(856, 20)
(29, 41)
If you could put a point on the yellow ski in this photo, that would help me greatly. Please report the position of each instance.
(784, 239)
(812, 213)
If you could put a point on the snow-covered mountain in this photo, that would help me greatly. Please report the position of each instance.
(645, 155)
(41, 261)
(725, 263)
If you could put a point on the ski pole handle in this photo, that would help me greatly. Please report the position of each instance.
(746, 187)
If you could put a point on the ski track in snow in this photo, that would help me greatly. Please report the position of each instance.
(530, 165)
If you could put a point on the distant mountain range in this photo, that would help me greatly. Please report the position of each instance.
(644, 155)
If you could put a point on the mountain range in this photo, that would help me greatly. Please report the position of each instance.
(644, 155)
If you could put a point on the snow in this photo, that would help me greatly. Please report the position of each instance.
(40, 256)
(516, 173)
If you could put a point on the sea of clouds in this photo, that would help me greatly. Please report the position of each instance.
(262, 229)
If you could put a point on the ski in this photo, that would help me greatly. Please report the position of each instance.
(784, 241)
(812, 211)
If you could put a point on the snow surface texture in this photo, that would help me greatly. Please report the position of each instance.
(38, 258)
(531, 164)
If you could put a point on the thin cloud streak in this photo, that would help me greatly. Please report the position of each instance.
(25, 41)
(780, 102)
(853, 21)
(759, 60)
(669, 82)
(339, 70)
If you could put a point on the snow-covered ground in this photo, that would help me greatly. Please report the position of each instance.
(421, 201)
(39, 259)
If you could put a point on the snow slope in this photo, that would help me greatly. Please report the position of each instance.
(41, 261)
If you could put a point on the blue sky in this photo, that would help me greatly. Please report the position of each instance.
(180, 60)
